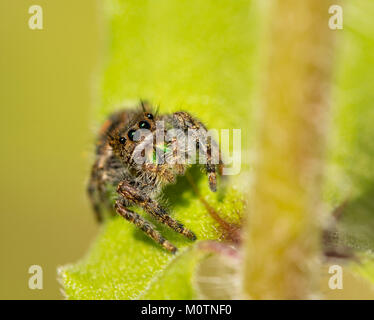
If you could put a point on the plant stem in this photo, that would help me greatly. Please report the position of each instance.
(282, 246)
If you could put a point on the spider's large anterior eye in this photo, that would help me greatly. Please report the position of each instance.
(149, 116)
(131, 134)
(144, 125)
(122, 140)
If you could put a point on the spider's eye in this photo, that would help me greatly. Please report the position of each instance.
(122, 140)
(149, 116)
(131, 134)
(144, 125)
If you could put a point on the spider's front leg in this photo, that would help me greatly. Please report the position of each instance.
(204, 143)
(139, 198)
(143, 225)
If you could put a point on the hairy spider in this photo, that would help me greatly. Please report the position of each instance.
(129, 136)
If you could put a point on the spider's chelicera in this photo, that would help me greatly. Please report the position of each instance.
(138, 153)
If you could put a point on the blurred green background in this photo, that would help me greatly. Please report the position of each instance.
(48, 110)
(46, 140)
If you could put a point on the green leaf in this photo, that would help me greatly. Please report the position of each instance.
(183, 55)
(175, 280)
(202, 57)
(123, 261)
(350, 175)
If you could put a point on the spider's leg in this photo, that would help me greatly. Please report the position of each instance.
(152, 207)
(211, 169)
(204, 143)
(143, 225)
(92, 191)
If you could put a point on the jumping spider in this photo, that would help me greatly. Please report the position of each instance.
(139, 184)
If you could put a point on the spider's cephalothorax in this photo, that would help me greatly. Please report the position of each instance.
(132, 158)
